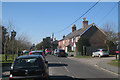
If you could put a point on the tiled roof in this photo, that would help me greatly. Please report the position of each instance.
(77, 32)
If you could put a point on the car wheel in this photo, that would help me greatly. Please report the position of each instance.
(93, 56)
(99, 56)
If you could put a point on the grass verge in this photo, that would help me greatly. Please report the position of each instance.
(114, 63)
(83, 57)
(10, 58)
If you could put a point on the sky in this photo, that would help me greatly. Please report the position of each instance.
(37, 20)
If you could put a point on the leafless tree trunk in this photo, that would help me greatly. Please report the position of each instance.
(111, 36)
(10, 26)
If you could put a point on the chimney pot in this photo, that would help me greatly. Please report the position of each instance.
(73, 28)
(85, 23)
(63, 36)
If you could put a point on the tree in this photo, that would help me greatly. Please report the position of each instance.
(22, 42)
(83, 41)
(10, 44)
(40, 45)
(46, 43)
(111, 36)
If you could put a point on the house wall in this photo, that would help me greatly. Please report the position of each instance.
(60, 44)
(96, 37)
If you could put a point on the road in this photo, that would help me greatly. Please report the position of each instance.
(62, 68)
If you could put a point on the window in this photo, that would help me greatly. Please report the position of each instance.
(27, 62)
(72, 48)
(37, 53)
(59, 43)
(76, 39)
(72, 40)
(63, 42)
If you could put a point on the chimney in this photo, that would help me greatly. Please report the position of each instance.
(63, 36)
(85, 23)
(73, 28)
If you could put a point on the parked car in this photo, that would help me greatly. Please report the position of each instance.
(29, 67)
(100, 53)
(48, 51)
(39, 52)
(61, 53)
(24, 51)
(55, 51)
(52, 52)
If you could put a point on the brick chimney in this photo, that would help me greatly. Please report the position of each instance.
(85, 23)
(73, 28)
(63, 36)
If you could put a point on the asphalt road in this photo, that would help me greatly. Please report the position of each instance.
(62, 68)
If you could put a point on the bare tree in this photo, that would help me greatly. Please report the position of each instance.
(111, 36)
(12, 45)
(7, 41)
(22, 43)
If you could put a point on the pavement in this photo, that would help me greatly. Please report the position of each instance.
(99, 62)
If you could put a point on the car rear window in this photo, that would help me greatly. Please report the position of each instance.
(28, 63)
(62, 50)
(104, 50)
(37, 53)
(97, 50)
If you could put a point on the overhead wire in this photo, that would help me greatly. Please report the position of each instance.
(78, 18)
(107, 14)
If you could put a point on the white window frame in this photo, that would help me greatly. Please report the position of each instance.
(72, 40)
(59, 43)
(72, 48)
(63, 42)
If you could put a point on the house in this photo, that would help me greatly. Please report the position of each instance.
(95, 35)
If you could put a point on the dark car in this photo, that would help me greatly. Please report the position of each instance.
(29, 67)
(61, 53)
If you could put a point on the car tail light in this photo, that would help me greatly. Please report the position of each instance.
(101, 51)
(42, 54)
(11, 76)
(44, 76)
(30, 53)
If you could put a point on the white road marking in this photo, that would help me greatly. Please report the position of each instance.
(60, 62)
(107, 70)
(52, 62)
(65, 67)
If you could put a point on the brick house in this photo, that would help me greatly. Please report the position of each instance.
(95, 35)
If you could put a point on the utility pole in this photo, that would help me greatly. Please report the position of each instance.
(13, 34)
(52, 36)
(52, 40)
(117, 51)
